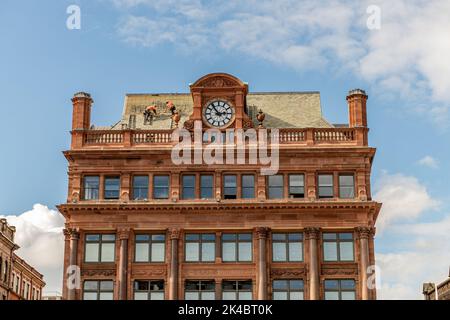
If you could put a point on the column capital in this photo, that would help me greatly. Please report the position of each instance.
(123, 233)
(72, 233)
(312, 233)
(364, 232)
(174, 233)
(261, 232)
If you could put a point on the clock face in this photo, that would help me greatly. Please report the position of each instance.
(218, 113)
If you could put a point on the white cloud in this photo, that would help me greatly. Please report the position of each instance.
(429, 161)
(406, 58)
(404, 198)
(39, 235)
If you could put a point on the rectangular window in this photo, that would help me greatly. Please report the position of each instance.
(148, 290)
(296, 186)
(140, 187)
(91, 187)
(346, 186)
(338, 246)
(150, 248)
(326, 186)
(200, 247)
(161, 187)
(340, 289)
(276, 186)
(236, 247)
(100, 248)
(200, 290)
(188, 191)
(112, 188)
(248, 186)
(98, 290)
(287, 247)
(237, 290)
(229, 186)
(287, 289)
(206, 186)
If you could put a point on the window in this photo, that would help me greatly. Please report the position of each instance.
(17, 284)
(296, 186)
(346, 186)
(100, 248)
(326, 186)
(188, 187)
(248, 186)
(200, 247)
(236, 247)
(338, 247)
(229, 186)
(340, 289)
(287, 247)
(5, 275)
(149, 290)
(161, 187)
(140, 187)
(91, 187)
(112, 187)
(98, 290)
(237, 290)
(200, 290)
(276, 186)
(206, 186)
(287, 289)
(150, 248)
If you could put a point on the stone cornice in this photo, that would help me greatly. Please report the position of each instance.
(181, 207)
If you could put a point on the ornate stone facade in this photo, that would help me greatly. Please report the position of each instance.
(316, 148)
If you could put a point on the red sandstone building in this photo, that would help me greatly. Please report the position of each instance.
(18, 280)
(141, 227)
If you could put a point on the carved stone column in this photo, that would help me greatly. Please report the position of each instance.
(313, 235)
(261, 235)
(363, 234)
(123, 236)
(174, 235)
(74, 237)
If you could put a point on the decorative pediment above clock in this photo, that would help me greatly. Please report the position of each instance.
(218, 80)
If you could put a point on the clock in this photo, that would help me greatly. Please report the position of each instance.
(218, 113)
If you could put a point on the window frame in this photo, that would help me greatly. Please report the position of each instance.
(97, 188)
(193, 187)
(99, 288)
(150, 243)
(282, 186)
(338, 241)
(243, 187)
(289, 186)
(348, 174)
(237, 290)
(289, 290)
(155, 187)
(286, 242)
(236, 242)
(149, 291)
(200, 242)
(100, 246)
(333, 194)
(111, 177)
(235, 187)
(200, 291)
(339, 289)
(202, 187)
(133, 187)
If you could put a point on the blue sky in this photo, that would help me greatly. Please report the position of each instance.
(130, 46)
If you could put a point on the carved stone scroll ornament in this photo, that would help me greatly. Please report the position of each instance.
(104, 273)
(174, 233)
(365, 232)
(312, 233)
(261, 232)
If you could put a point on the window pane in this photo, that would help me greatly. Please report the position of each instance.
(330, 251)
(331, 284)
(296, 296)
(189, 187)
(248, 193)
(296, 284)
(245, 236)
(275, 183)
(347, 284)
(142, 237)
(275, 192)
(229, 181)
(276, 180)
(208, 237)
(106, 285)
(90, 285)
(158, 237)
(348, 295)
(191, 296)
(346, 251)
(91, 254)
(279, 295)
(325, 180)
(279, 251)
(192, 251)
(107, 252)
(295, 236)
(208, 296)
(329, 236)
(90, 296)
(229, 236)
(295, 251)
(112, 187)
(157, 295)
(140, 187)
(245, 296)
(161, 187)
(158, 252)
(208, 251)
(229, 251)
(280, 284)
(91, 186)
(279, 236)
(345, 236)
(326, 192)
(248, 186)
(142, 251)
(245, 251)
(229, 295)
(296, 180)
(106, 296)
(206, 186)
(141, 285)
(140, 296)
(331, 296)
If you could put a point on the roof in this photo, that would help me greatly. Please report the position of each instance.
(282, 109)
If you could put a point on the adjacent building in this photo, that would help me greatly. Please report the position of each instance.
(443, 290)
(18, 280)
(142, 225)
